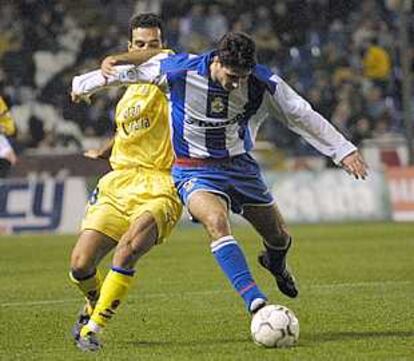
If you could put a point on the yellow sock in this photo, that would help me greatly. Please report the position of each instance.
(114, 289)
(89, 288)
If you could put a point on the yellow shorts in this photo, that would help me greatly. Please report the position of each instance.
(123, 195)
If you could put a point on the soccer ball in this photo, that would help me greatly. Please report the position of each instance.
(275, 326)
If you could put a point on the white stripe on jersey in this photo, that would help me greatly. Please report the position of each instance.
(237, 101)
(233, 143)
(196, 88)
(257, 120)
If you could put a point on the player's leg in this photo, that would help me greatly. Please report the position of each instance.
(211, 210)
(269, 223)
(252, 198)
(87, 253)
(141, 236)
(101, 228)
(153, 209)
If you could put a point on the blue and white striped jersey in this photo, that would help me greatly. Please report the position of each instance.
(210, 122)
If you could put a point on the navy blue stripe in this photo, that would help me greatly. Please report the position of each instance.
(216, 142)
(217, 101)
(123, 271)
(177, 82)
(217, 108)
(256, 90)
(247, 138)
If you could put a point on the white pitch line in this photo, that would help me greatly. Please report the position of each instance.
(358, 284)
(209, 292)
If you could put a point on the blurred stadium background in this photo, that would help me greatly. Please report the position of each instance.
(351, 59)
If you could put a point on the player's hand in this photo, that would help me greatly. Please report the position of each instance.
(93, 154)
(107, 66)
(77, 98)
(355, 165)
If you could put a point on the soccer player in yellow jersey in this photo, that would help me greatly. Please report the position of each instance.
(7, 129)
(133, 207)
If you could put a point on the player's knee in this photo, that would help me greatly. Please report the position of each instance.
(137, 241)
(124, 256)
(81, 266)
(217, 222)
(129, 251)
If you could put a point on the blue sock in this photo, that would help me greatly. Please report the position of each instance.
(231, 259)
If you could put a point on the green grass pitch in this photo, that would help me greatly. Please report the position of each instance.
(356, 301)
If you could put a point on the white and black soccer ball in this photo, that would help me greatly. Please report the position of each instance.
(275, 326)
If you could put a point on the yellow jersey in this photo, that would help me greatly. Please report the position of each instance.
(142, 136)
(7, 126)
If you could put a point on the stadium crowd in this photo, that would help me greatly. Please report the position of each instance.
(341, 55)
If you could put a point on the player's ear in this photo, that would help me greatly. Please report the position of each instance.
(129, 46)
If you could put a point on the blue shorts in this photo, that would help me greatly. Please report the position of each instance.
(238, 180)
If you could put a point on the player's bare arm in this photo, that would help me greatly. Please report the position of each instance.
(102, 153)
(132, 57)
(354, 164)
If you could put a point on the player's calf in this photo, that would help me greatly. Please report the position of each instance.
(274, 260)
(231, 260)
(89, 287)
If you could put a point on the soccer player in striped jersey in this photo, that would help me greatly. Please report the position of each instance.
(133, 207)
(218, 100)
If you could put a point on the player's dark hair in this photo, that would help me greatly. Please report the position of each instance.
(147, 20)
(237, 50)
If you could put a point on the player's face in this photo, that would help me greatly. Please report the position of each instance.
(229, 78)
(145, 38)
